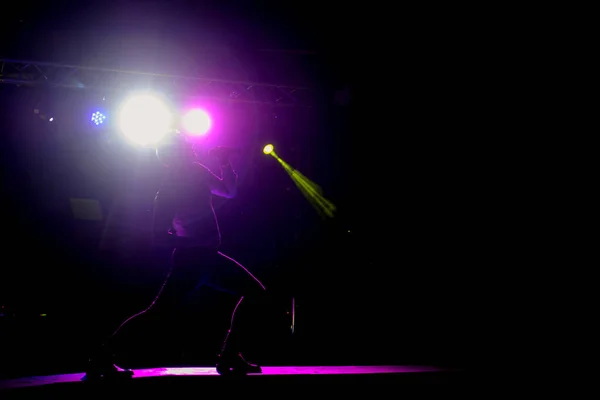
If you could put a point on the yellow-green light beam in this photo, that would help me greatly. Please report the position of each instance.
(310, 190)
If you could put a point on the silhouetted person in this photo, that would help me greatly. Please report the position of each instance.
(184, 220)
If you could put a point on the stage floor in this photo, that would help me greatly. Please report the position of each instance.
(279, 374)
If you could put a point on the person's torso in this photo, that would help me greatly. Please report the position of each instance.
(188, 197)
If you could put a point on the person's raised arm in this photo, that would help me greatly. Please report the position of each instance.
(226, 186)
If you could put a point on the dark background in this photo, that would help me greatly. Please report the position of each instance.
(390, 280)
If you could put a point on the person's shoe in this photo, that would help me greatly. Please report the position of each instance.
(102, 367)
(235, 364)
(111, 372)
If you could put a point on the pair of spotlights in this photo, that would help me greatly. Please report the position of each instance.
(145, 119)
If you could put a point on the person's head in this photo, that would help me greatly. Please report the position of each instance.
(175, 151)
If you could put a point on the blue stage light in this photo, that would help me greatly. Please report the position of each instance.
(98, 118)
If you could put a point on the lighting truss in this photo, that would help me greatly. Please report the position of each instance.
(29, 73)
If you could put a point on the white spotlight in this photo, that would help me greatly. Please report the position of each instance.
(145, 119)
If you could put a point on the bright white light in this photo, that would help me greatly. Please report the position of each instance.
(145, 119)
(196, 122)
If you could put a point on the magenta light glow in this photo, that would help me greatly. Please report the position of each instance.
(196, 122)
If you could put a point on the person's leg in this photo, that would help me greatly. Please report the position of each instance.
(230, 276)
(184, 274)
(187, 272)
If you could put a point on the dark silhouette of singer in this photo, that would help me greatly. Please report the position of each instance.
(185, 221)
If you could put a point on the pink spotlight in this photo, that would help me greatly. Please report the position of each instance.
(196, 122)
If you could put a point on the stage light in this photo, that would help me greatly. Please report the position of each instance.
(196, 122)
(98, 118)
(145, 119)
(268, 149)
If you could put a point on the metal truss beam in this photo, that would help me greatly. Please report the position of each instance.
(29, 73)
